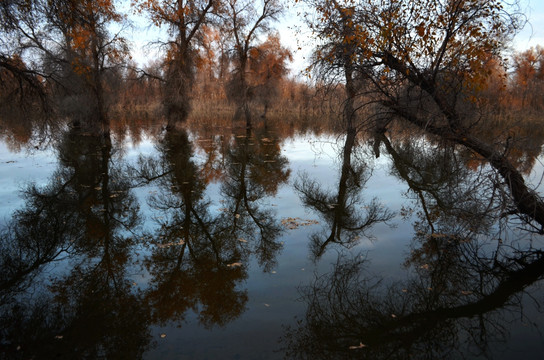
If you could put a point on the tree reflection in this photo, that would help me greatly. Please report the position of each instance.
(255, 169)
(195, 263)
(469, 273)
(445, 189)
(199, 255)
(77, 231)
(343, 209)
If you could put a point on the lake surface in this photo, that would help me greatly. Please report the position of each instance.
(266, 243)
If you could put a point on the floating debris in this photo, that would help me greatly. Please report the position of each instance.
(236, 264)
(360, 346)
(163, 335)
(180, 242)
(294, 223)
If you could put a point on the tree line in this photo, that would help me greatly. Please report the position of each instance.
(61, 56)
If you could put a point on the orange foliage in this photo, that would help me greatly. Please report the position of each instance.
(268, 61)
(528, 78)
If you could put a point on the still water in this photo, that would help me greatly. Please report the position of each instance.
(265, 243)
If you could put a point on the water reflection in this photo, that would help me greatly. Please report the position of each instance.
(448, 196)
(200, 257)
(87, 213)
(68, 254)
(109, 251)
(469, 272)
(255, 169)
(194, 263)
(344, 210)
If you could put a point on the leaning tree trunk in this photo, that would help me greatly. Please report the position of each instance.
(527, 201)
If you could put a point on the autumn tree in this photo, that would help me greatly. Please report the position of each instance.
(340, 52)
(185, 20)
(67, 46)
(528, 77)
(212, 64)
(88, 51)
(20, 81)
(268, 67)
(424, 62)
(245, 21)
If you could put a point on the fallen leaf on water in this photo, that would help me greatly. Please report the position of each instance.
(58, 337)
(180, 242)
(163, 335)
(404, 290)
(234, 264)
(273, 271)
(267, 305)
(393, 316)
(242, 240)
(294, 223)
(466, 292)
(360, 346)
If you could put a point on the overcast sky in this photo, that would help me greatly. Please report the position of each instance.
(533, 33)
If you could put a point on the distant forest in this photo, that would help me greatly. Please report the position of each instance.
(60, 60)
